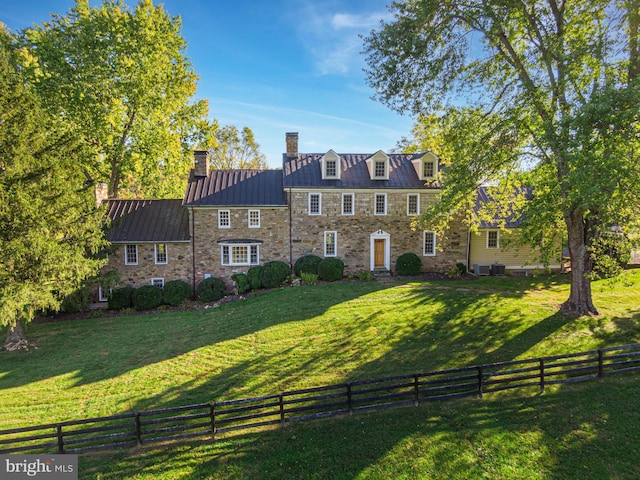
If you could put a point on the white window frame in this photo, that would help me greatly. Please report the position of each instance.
(417, 197)
(252, 222)
(384, 169)
(327, 174)
(432, 252)
(312, 195)
(157, 282)
(424, 169)
(353, 203)
(224, 218)
(327, 235)
(252, 256)
(156, 254)
(497, 245)
(375, 203)
(134, 252)
(101, 294)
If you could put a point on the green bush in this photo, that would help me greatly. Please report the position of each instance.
(211, 289)
(331, 269)
(146, 297)
(366, 276)
(274, 274)
(462, 268)
(408, 264)
(120, 298)
(78, 301)
(610, 252)
(311, 278)
(175, 292)
(242, 282)
(307, 264)
(253, 276)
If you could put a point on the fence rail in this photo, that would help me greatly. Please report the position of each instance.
(209, 419)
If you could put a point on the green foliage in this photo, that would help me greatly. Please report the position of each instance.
(408, 264)
(146, 297)
(610, 252)
(210, 289)
(78, 301)
(253, 276)
(122, 76)
(462, 268)
(331, 269)
(50, 229)
(242, 282)
(366, 275)
(274, 274)
(311, 278)
(121, 298)
(235, 150)
(307, 263)
(175, 292)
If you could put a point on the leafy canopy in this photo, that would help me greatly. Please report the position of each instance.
(236, 150)
(122, 78)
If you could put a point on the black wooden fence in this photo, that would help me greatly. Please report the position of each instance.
(210, 419)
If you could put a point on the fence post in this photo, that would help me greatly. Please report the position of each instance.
(60, 439)
(349, 400)
(600, 364)
(542, 375)
(212, 415)
(138, 429)
(480, 382)
(281, 400)
(416, 391)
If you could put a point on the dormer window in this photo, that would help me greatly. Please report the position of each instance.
(378, 165)
(330, 166)
(426, 167)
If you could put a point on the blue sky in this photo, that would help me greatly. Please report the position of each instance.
(275, 66)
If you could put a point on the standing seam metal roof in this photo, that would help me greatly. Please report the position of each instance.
(147, 221)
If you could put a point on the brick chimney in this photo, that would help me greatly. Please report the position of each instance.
(292, 145)
(101, 192)
(201, 163)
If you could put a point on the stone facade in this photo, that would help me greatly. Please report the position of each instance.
(178, 266)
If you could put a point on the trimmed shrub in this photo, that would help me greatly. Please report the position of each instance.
(175, 292)
(211, 289)
(307, 264)
(78, 301)
(462, 268)
(121, 298)
(274, 274)
(331, 269)
(146, 297)
(408, 264)
(242, 282)
(253, 276)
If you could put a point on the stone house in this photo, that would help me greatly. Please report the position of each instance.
(358, 207)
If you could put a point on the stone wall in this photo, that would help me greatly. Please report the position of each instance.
(273, 233)
(354, 232)
(178, 266)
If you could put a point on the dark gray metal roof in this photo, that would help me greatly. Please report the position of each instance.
(483, 197)
(236, 188)
(305, 171)
(147, 221)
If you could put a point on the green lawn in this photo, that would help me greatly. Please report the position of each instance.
(316, 335)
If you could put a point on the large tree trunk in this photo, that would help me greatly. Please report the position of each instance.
(16, 339)
(580, 301)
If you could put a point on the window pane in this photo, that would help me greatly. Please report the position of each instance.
(254, 255)
(254, 218)
(381, 204)
(429, 243)
(412, 208)
(239, 254)
(131, 254)
(224, 219)
(347, 204)
(225, 255)
(492, 239)
(331, 168)
(161, 253)
(329, 244)
(428, 169)
(314, 204)
(379, 169)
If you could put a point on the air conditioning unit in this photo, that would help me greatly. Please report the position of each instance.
(497, 269)
(481, 269)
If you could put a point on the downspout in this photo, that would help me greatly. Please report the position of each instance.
(468, 247)
(193, 249)
(290, 232)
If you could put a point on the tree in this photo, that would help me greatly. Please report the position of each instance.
(50, 228)
(235, 150)
(549, 85)
(123, 79)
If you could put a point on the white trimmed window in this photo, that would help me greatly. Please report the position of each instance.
(493, 239)
(315, 204)
(131, 254)
(162, 258)
(347, 204)
(254, 218)
(103, 294)
(428, 169)
(240, 254)
(380, 169)
(330, 245)
(157, 282)
(413, 203)
(331, 168)
(224, 219)
(380, 204)
(429, 244)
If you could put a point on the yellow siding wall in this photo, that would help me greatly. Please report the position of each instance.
(515, 258)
